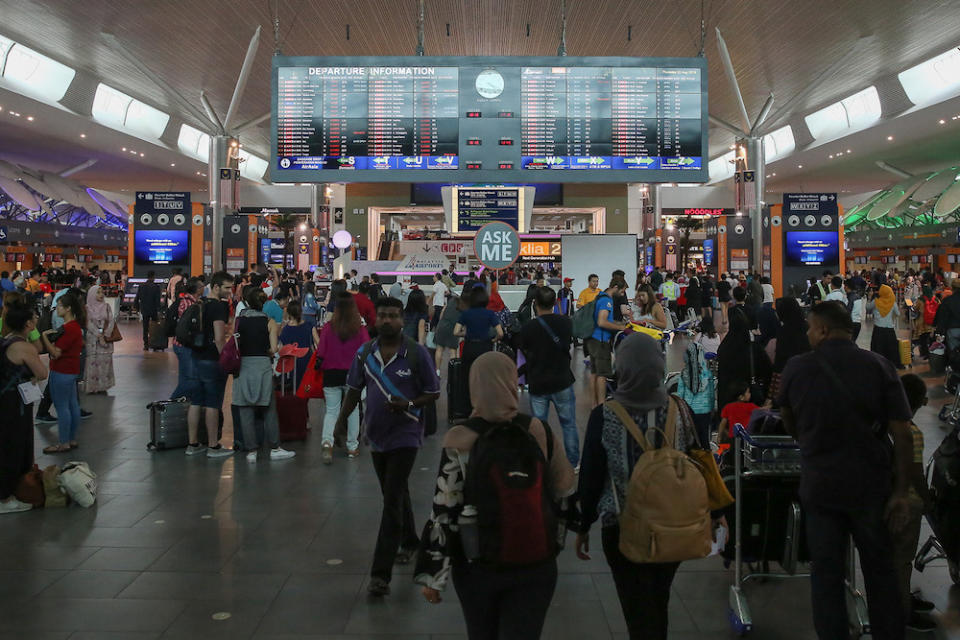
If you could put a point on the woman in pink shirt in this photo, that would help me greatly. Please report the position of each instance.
(337, 346)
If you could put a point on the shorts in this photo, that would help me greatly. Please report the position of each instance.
(207, 384)
(601, 357)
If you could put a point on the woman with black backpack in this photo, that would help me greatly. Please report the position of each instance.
(500, 552)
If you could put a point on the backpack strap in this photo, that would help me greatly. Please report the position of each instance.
(628, 422)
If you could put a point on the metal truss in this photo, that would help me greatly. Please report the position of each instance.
(58, 213)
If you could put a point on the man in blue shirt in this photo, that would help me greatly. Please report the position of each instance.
(600, 344)
(274, 308)
(396, 394)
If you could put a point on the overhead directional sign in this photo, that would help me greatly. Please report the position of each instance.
(478, 206)
(497, 245)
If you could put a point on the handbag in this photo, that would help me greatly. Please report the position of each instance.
(230, 356)
(30, 487)
(718, 496)
(115, 335)
(431, 341)
(312, 384)
(79, 482)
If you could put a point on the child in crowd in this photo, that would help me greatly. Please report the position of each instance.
(708, 338)
(905, 540)
(737, 412)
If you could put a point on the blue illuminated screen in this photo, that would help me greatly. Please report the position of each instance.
(811, 248)
(161, 247)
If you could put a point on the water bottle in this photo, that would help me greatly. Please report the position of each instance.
(469, 533)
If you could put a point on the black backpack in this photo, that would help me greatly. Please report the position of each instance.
(171, 317)
(189, 330)
(508, 482)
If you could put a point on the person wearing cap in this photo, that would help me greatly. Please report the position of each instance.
(565, 298)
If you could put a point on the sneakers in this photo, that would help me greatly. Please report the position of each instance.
(378, 587)
(15, 506)
(45, 418)
(219, 452)
(281, 454)
(919, 604)
(252, 456)
(195, 449)
(327, 454)
(84, 414)
(353, 453)
(922, 623)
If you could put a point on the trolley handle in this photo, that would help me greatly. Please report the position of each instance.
(741, 432)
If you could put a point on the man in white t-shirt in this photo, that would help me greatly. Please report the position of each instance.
(440, 292)
(769, 294)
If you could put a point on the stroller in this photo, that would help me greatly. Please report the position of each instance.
(943, 477)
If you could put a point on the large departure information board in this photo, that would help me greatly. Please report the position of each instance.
(420, 119)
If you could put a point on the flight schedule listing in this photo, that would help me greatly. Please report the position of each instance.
(367, 118)
(489, 118)
(611, 118)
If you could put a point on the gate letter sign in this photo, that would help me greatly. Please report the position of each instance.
(497, 245)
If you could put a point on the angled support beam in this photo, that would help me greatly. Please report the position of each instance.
(245, 71)
(764, 112)
(900, 173)
(249, 124)
(723, 124)
(80, 167)
(117, 46)
(732, 79)
(208, 108)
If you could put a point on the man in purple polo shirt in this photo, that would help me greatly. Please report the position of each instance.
(396, 392)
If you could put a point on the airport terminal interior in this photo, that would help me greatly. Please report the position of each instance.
(707, 174)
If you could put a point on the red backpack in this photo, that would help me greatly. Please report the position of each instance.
(930, 311)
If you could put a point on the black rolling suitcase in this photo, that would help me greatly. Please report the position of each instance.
(773, 528)
(458, 392)
(168, 425)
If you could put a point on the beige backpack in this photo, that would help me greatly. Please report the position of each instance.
(666, 517)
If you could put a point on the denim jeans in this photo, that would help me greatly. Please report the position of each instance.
(63, 390)
(565, 402)
(333, 397)
(184, 371)
(828, 532)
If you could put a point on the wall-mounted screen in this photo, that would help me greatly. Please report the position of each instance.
(161, 247)
(429, 193)
(444, 119)
(811, 248)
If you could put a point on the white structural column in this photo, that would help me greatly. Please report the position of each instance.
(219, 150)
(635, 205)
(757, 163)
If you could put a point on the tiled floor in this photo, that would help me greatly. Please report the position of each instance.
(182, 547)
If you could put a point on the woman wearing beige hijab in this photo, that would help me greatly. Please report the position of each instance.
(98, 370)
(498, 600)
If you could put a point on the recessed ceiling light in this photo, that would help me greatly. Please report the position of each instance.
(774, 173)
(848, 151)
(942, 121)
(141, 154)
(173, 164)
(30, 118)
(124, 148)
(889, 137)
(799, 166)
(83, 135)
(830, 156)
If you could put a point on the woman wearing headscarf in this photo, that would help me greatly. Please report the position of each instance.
(696, 388)
(885, 313)
(791, 339)
(505, 603)
(98, 370)
(921, 329)
(609, 456)
(741, 359)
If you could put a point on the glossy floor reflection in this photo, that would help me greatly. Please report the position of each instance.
(181, 547)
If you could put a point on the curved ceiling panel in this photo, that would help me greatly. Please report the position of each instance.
(106, 203)
(64, 189)
(948, 202)
(10, 171)
(863, 207)
(897, 194)
(935, 185)
(19, 193)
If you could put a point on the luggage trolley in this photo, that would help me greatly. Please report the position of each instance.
(762, 456)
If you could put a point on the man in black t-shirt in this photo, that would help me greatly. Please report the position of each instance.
(546, 345)
(207, 381)
(620, 300)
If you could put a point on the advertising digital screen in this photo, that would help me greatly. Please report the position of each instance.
(443, 119)
(161, 247)
(708, 252)
(811, 248)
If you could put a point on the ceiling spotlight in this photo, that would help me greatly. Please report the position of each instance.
(1, 107)
(173, 164)
(848, 151)
(30, 118)
(799, 166)
(83, 135)
(141, 154)
(831, 156)
(889, 137)
(942, 121)
(124, 148)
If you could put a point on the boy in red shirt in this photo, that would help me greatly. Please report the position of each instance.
(736, 412)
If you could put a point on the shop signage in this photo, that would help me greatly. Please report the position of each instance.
(540, 250)
(497, 245)
(711, 212)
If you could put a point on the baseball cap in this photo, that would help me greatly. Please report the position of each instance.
(566, 280)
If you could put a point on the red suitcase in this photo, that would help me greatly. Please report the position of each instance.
(292, 411)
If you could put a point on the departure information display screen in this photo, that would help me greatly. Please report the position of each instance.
(420, 119)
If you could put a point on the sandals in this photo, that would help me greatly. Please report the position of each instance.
(57, 448)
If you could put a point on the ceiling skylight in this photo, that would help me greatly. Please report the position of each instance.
(194, 143)
(933, 80)
(118, 110)
(32, 73)
(855, 112)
